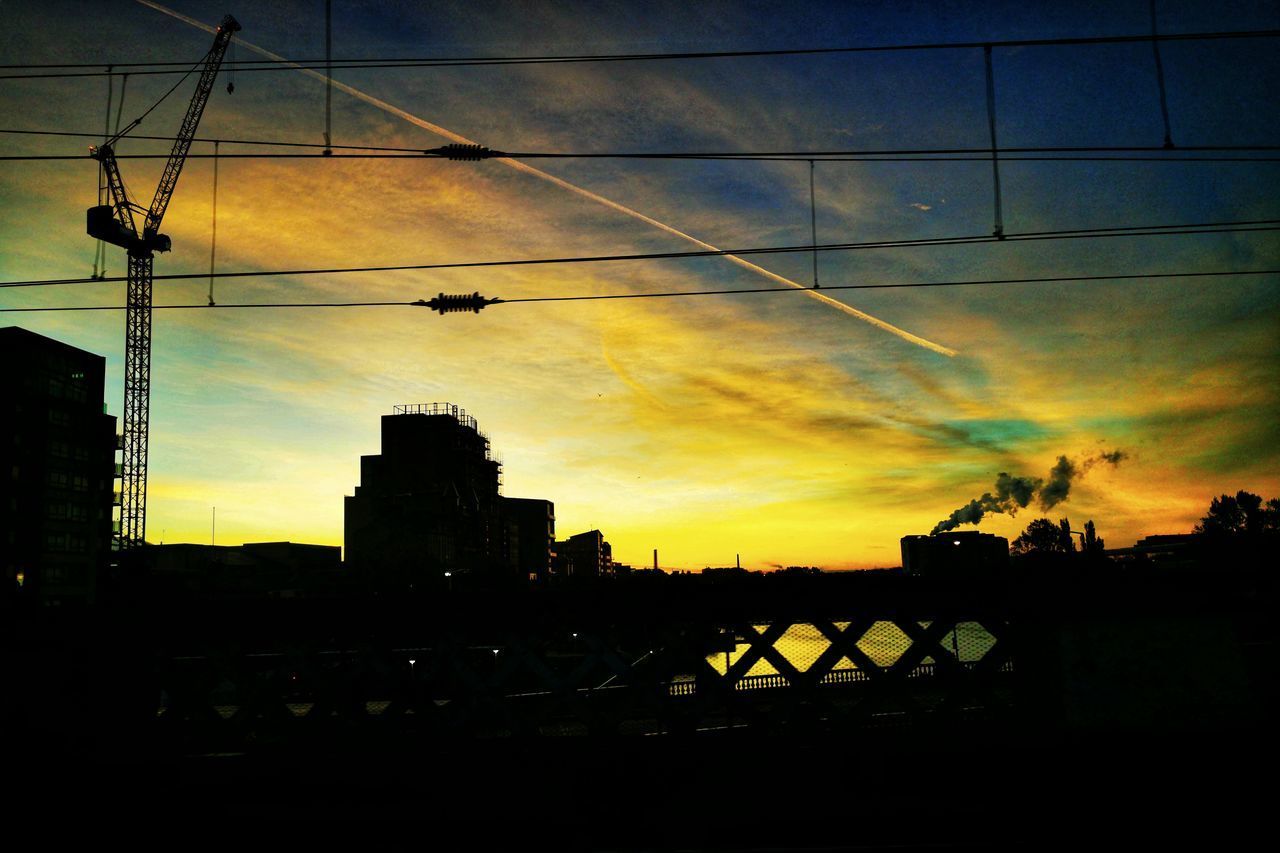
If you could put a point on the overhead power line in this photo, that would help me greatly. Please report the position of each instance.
(680, 293)
(1236, 227)
(251, 65)
(822, 157)
(1060, 152)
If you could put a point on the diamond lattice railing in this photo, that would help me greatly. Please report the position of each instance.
(659, 677)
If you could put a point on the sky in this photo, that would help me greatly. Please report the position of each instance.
(773, 426)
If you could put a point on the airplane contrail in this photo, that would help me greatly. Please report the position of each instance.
(573, 188)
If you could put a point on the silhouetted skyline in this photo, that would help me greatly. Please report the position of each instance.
(774, 426)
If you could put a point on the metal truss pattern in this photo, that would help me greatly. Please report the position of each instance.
(137, 403)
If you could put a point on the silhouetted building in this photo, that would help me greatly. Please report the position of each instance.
(955, 554)
(531, 535)
(251, 570)
(429, 503)
(583, 555)
(57, 468)
(1168, 550)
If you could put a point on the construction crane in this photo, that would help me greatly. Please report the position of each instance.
(116, 223)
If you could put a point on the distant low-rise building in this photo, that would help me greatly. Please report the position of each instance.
(956, 554)
(1168, 550)
(252, 570)
(531, 536)
(583, 555)
(57, 468)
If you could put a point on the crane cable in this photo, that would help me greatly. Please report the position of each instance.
(101, 254)
(98, 256)
(137, 121)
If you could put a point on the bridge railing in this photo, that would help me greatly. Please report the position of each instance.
(641, 677)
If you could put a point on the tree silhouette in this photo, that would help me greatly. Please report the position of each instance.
(1243, 513)
(1042, 536)
(1093, 544)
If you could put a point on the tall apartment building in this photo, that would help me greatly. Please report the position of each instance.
(57, 468)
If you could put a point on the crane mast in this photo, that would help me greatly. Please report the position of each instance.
(116, 223)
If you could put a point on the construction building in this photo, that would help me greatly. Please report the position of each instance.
(428, 513)
(57, 469)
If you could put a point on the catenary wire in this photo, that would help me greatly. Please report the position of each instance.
(686, 293)
(251, 65)
(914, 155)
(917, 154)
(1241, 226)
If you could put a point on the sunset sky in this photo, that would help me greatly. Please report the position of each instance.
(774, 426)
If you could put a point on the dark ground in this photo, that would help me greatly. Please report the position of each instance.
(734, 793)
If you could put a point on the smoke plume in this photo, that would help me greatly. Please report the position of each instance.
(1013, 493)
(1059, 486)
(1115, 457)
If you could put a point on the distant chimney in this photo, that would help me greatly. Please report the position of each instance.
(737, 560)
(655, 559)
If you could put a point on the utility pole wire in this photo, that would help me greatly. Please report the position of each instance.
(995, 157)
(769, 158)
(686, 293)
(568, 186)
(281, 64)
(813, 225)
(919, 154)
(1164, 102)
(1237, 227)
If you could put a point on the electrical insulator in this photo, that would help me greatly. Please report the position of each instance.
(457, 151)
(457, 302)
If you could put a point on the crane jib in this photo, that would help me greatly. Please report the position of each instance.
(116, 223)
(182, 142)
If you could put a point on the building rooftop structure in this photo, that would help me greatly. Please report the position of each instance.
(428, 511)
(956, 553)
